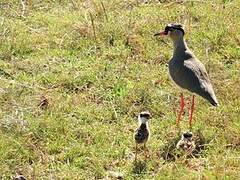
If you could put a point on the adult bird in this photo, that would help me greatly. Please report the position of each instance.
(187, 71)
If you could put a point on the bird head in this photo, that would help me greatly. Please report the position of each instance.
(187, 136)
(175, 31)
(143, 117)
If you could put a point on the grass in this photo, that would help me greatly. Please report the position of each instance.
(97, 65)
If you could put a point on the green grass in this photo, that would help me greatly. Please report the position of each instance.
(97, 84)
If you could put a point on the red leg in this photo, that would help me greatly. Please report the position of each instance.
(181, 109)
(191, 111)
(189, 106)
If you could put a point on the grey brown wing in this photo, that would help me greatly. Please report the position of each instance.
(198, 81)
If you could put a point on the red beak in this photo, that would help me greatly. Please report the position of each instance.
(161, 34)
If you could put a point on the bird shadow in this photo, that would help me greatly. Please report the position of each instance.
(139, 167)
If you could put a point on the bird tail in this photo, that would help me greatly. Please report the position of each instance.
(213, 99)
(214, 103)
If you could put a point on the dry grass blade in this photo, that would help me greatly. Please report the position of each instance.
(104, 10)
(93, 26)
(23, 7)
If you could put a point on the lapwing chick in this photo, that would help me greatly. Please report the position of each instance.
(187, 71)
(19, 177)
(142, 133)
(186, 143)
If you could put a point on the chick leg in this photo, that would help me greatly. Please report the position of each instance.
(136, 148)
(145, 150)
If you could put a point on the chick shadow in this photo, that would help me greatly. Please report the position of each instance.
(139, 167)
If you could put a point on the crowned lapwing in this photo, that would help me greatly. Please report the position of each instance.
(187, 71)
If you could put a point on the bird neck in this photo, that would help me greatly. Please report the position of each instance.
(144, 125)
(180, 47)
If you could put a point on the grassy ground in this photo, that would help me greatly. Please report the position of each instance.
(75, 74)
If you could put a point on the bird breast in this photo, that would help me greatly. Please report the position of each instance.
(177, 73)
(141, 135)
